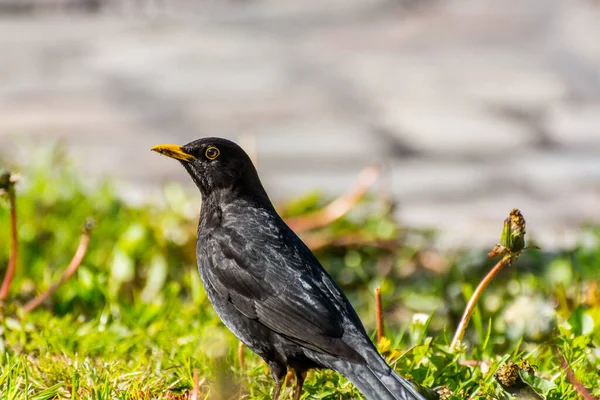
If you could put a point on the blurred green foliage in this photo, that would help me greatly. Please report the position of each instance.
(134, 322)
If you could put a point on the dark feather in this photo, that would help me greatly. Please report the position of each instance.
(277, 287)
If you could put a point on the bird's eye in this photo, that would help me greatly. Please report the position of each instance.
(212, 153)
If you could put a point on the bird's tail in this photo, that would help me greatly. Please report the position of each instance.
(378, 382)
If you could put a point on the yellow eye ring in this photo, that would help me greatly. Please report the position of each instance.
(212, 152)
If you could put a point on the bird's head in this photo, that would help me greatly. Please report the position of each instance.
(217, 166)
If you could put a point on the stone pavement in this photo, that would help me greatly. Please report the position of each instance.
(475, 108)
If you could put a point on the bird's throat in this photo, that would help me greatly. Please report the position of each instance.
(211, 212)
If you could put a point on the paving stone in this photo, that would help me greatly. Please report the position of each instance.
(554, 172)
(574, 125)
(65, 115)
(449, 129)
(473, 108)
(478, 222)
(419, 179)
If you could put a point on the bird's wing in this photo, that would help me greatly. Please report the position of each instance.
(276, 283)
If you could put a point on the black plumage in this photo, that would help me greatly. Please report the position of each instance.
(267, 286)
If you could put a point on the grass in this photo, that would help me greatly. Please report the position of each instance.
(134, 322)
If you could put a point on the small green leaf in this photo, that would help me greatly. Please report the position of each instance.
(581, 322)
(540, 385)
(502, 394)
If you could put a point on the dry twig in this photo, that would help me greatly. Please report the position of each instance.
(339, 207)
(318, 241)
(69, 271)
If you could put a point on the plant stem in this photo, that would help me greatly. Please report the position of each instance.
(379, 314)
(470, 308)
(196, 387)
(12, 261)
(69, 271)
(241, 356)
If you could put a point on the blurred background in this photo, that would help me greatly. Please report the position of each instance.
(471, 107)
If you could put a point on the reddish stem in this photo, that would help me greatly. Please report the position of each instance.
(472, 363)
(12, 261)
(470, 308)
(69, 272)
(582, 390)
(379, 314)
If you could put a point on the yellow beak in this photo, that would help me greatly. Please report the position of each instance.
(173, 151)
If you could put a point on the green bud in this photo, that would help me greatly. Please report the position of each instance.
(513, 232)
(512, 239)
(517, 231)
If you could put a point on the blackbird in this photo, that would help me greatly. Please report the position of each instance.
(267, 286)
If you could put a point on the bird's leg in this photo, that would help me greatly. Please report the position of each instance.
(278, 371)
(277, 389)
(300, 376)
